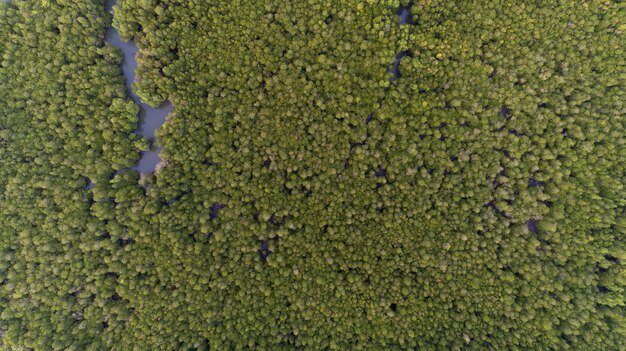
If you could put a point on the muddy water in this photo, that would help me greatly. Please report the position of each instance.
(150, 118)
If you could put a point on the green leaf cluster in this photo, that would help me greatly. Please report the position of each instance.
(66, 126)
(478, 206)
(306, 199)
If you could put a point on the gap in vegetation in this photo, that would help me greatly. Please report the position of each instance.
(404, 12)
(150, 118)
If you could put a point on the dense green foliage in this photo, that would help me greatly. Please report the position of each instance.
(65, 121)
(307, 201)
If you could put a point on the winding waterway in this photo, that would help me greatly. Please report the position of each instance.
(150, 118)
(404, 12)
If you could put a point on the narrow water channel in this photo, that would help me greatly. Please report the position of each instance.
(405, 17)
(404, 12)
(150, 118)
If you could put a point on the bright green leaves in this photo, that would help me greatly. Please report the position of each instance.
(307, 200)
(125, 114)
(66, 128)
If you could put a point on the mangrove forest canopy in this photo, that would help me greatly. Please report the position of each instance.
(332, 177)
